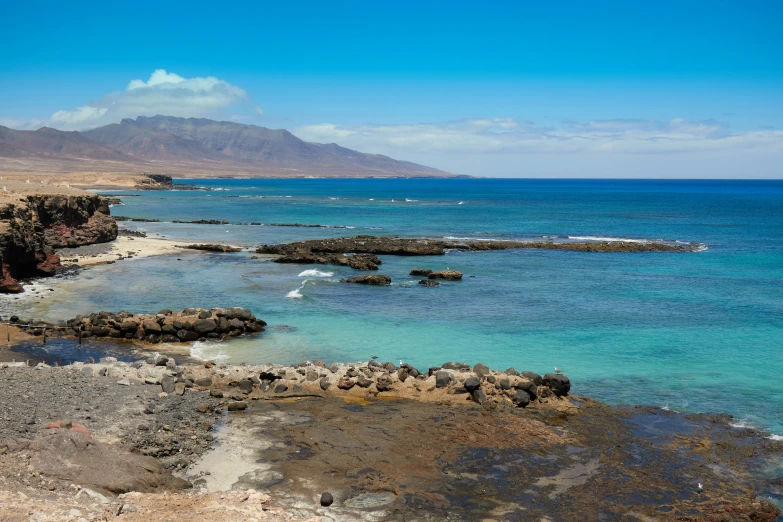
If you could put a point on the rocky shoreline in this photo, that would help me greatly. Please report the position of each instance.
(358, 441)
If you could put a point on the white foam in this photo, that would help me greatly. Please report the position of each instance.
(209, 351)
(296, 293)
(461, 203)
(474, 238)
(410, 200)
(775, 437)
(315, 273)
(611, 239)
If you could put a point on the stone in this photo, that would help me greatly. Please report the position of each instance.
(559, 384)
(237, 405)
(420, 272)
(511, 371)
(326, 499)
(167, 384)
(216, 393)
(187, 335)
(204, 315)
(456, 366)
(151, 380)
(179, 388)
(346, 383)
(521, 398)
(363, 381)
(384, 383)
(479, 396)
(402, 374)
(281, 388)
(481, 370)
(246, 385)
(448, 275)
(529, 387)
(311, 375)
(442, 379)
(373, 280)
(204, 407)
(324, 383)
(203, 381)
(534, 377)
(334, 368)
(505, 383)
(151, 326)
(204, 326)
(124, 382)
(472, 384)
(428, 282)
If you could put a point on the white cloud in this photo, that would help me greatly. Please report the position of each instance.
(505, 147)
(488, 136)
(163, 93)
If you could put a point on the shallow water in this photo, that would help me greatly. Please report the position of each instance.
(696, 332)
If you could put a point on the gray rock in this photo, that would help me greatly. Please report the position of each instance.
(536, 378)
(481, 370)
(384, 383)
(187, 335)
(442, 379)
(204, 326)
(179, 388)
(479, 396)
(216, 393)
(311, 376)
(324, 383)
(559, 384)
(521, 398)
(124, 382)
(456, 366)
(327, 499)
(472, 384)
(363, 381)
(167, 383)
(511, 371)
(505, 384)
(246, 385)
(281, 388)
(237, 405)
(203, 381)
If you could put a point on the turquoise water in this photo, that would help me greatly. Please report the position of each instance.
(698, 331)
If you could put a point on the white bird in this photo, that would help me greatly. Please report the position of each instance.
(401, 363)
(5, 189)
(700, 487)
(558, 370)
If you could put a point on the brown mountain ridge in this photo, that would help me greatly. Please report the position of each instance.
(193, 146)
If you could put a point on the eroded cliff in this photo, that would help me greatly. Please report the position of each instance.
(32, 226)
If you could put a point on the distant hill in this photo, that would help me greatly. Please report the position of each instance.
(165, 143)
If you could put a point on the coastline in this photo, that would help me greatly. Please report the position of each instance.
(373, 492)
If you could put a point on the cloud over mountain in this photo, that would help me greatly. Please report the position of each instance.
(163, 92)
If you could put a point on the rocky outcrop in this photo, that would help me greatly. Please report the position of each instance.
(373, 280)
(333, 251)
(33, 226)
(446, 275)
(191, 324)
(214, 248)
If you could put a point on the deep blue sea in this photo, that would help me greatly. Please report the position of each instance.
(698, 331)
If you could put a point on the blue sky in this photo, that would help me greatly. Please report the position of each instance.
(659, 89)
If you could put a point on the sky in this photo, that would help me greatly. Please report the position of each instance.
(685, 89)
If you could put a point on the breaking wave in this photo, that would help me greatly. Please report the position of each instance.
(315, 273)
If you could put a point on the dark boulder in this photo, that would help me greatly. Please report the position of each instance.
(420, 272)
(204, 326)
(187, 335)
(521, 398)
(384, 383)
(442, 379)
(462, 367)
(559, 384)
(479, 396)
(472, 384)
(534, 377)
(511, 371)
(429, 283)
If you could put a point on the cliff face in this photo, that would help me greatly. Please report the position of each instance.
(33, 226)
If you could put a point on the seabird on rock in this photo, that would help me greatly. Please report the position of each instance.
(558, 370)
(374, 357)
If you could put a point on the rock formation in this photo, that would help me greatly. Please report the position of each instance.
(32, 226)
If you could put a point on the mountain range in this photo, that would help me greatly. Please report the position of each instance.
(195, 146)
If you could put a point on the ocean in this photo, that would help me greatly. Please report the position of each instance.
(700, 331)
